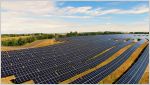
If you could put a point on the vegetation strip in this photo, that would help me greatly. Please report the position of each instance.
(102, 53)
(28, 82)
(98, 66)
(8, 38)
(35, 44)
(145, 77)
(22, 39)
(124, 67)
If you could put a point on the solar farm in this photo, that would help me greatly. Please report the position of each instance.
(81, 60)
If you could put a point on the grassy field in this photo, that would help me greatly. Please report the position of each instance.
(35, 44)
(8, 38)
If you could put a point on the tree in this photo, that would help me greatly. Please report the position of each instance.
(21, 41)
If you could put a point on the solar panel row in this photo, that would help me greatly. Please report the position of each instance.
(133, 75)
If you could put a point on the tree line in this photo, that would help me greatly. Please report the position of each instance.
(40, 36)
(21, 41)
(139, 32)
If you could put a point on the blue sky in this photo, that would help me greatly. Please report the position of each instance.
(104, 4)
(64, 16)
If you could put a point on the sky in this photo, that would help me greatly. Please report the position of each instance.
(51, 16)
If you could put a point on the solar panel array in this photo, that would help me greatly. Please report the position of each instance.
(136, 71)
(56, 63)
(102, 72)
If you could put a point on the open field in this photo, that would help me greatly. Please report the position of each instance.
(35, 44)
(108, 59)
(9, 38)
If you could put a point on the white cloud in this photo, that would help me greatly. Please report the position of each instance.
(77, 17)
(103, 12)
(74, 10)
(25, 25)
(87, 10)
(135, 10)
(35, 7)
